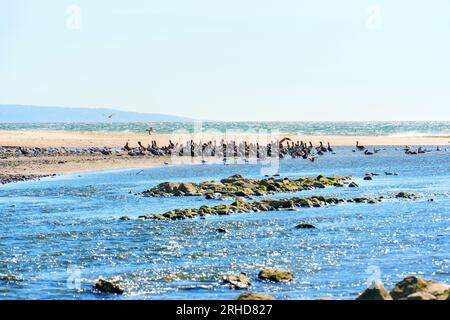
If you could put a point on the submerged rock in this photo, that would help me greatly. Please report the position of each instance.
(8, 278)
(108, 287)
(378, 292)
(254, 296)
(391, 173)
(239, 281)
(275, 275)
(305, 226)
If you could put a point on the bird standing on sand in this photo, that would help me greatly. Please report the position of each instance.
(359, 147)
(329, 148)
(127, 147)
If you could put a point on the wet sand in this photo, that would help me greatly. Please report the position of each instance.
(16, 168)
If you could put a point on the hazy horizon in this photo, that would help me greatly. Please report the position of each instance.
(234, 61)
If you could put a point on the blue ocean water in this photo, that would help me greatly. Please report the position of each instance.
(404, 128)
(55, 229)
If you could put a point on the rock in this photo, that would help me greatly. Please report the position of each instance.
(378, 292)
(189, 189)
(237, 185)
(280, 203)
(367, 178)
(108, 287)
(125, 218)
(265, 204)
(391, 173)
(210, 196)
(239, 281)
(305, 226)
(318, 185)
(254, 296)
(353, 185)
(414, 284)
(232, 178)
(8, 278)
(421, 296)
(221, 230)
(275, 275)
(405, 195)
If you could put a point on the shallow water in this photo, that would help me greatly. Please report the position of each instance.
(54, 229)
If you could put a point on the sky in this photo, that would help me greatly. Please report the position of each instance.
(284, 60)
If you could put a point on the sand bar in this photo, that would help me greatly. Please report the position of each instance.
(10, 167)
(115, 139)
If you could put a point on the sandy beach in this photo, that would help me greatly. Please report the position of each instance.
(30, 166)
(118, 139)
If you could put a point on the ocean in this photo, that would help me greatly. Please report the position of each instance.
(407, 128)
(61, 233)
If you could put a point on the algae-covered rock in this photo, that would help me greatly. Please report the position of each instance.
(237, 185)
(275, 275)
(108, 287)
(254, 296)
(261, 205)
(405, 195)
(189, 189)
(413, 284)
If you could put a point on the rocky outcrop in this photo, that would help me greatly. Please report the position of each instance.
(266, 204)
(106, 286)
(417, 288)
(239, 281)
(377, 292)
(275, 275)
(237, 185)
(8, 178)
(255, 296)
(406, 195)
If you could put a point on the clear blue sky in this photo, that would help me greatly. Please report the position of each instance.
(232, 60)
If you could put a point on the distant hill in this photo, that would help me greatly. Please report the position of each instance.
(23, 113)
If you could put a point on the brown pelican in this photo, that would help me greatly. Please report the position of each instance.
(358, 147)
(329, 148)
